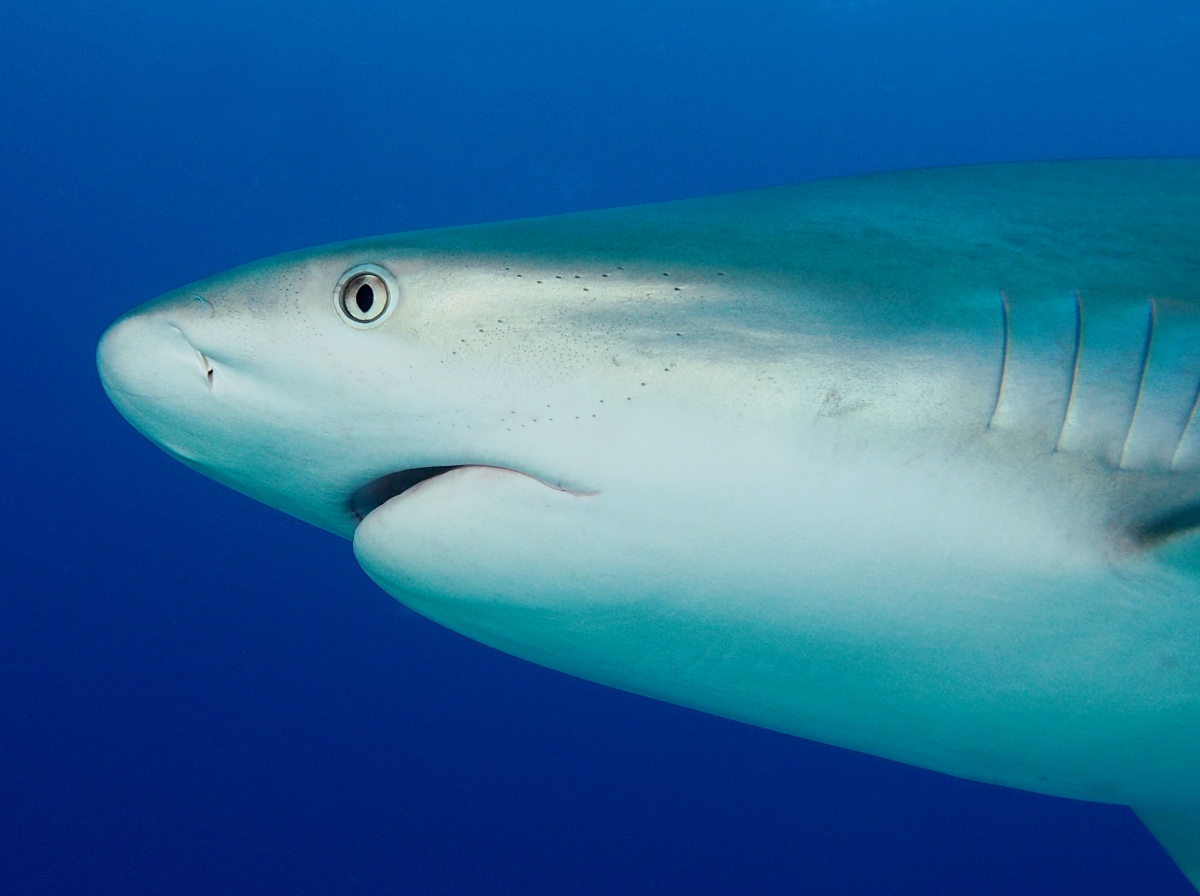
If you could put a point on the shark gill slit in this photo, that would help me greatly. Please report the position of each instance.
(1003, 357)
(1141, 381)
(1074, 368)
(1187, 427)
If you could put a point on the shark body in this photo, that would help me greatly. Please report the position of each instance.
(905, 463)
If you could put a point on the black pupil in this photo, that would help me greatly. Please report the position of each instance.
(364, 298)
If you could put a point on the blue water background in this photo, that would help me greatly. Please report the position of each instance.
(199, 695)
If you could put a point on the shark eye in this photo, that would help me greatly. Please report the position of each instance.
(363, 296)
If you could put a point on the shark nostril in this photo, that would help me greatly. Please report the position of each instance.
(207, 366)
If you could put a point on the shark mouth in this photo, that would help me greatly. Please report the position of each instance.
(379, 491)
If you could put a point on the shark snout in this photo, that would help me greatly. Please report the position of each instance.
(157, 379)
(144, 356)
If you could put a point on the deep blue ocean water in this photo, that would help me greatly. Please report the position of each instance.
(200, 695)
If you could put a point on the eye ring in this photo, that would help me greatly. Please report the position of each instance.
(365, 296)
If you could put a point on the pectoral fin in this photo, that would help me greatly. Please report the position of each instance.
(1178, 830)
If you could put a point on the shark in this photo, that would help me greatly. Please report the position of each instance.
(907, 463)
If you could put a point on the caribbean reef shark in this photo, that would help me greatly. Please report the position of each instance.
(906, 463)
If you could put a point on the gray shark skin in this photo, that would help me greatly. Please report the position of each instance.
(906, 463)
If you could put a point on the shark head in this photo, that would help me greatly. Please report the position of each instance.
(327, 382)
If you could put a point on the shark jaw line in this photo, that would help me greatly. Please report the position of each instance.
(379, 491)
